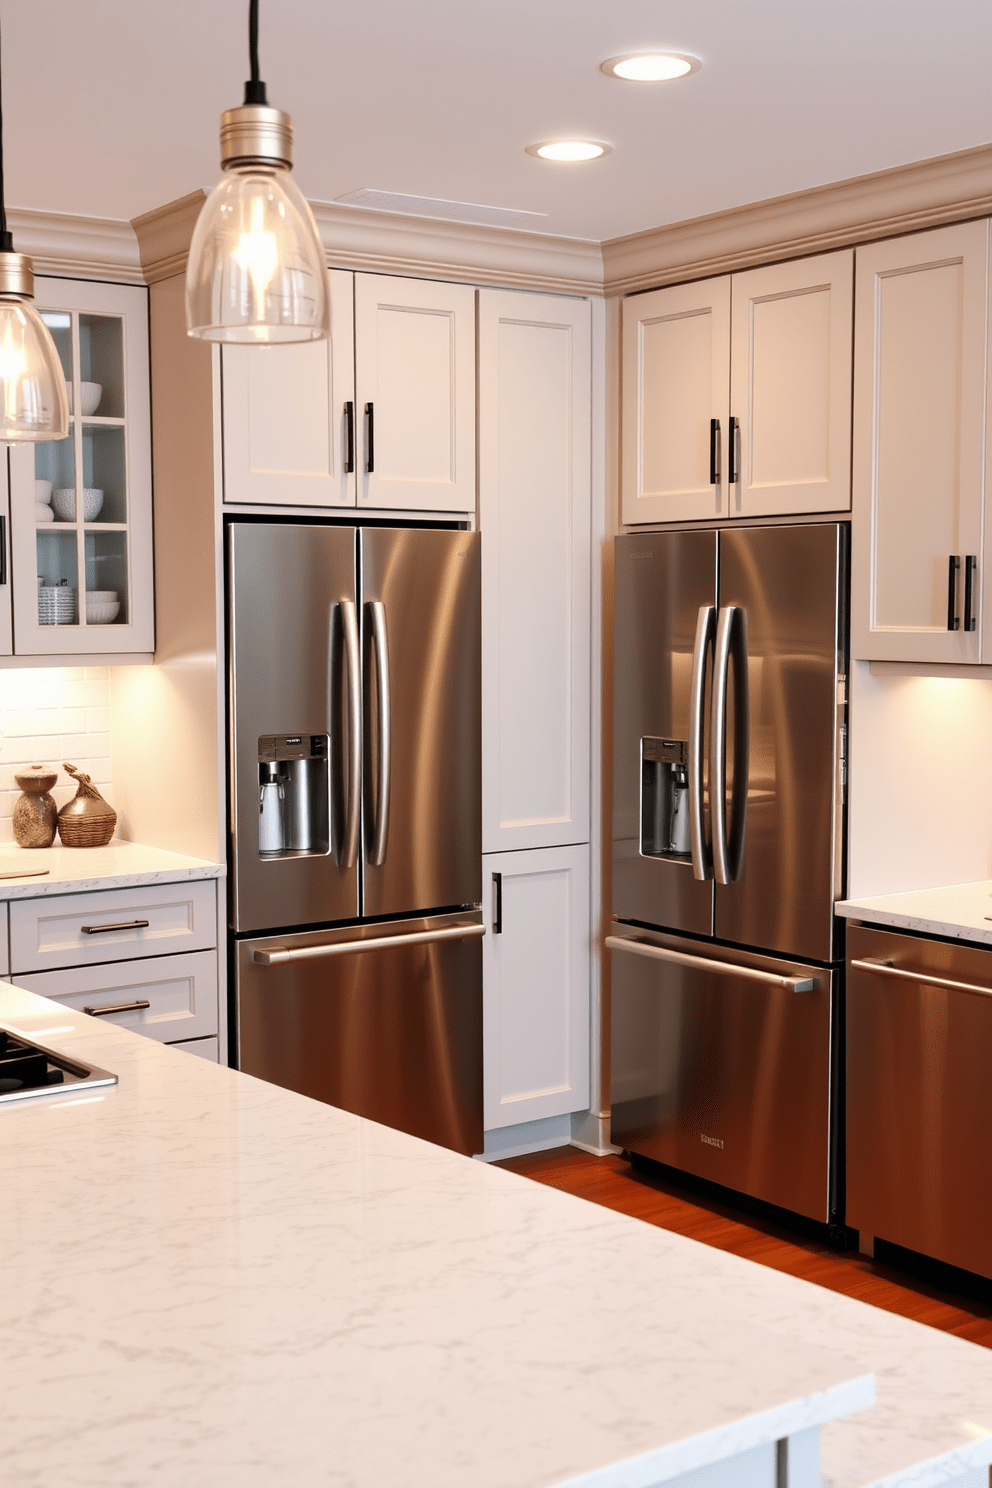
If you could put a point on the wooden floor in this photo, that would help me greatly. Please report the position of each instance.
(611, 1181)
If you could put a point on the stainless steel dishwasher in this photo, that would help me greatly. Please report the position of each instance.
(919, 1102)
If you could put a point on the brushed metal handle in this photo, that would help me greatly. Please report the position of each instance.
(353, 810)
(703, 963)
(731, 645)
(702, 865)
(380, 645)
(120, 925)
(118, 1007)
(886, 969)
(353, 947)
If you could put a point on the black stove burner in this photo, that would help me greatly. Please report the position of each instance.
(24, 1067)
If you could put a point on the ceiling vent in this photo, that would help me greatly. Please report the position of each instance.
(430, 206)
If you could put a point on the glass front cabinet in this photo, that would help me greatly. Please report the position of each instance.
(80, 571)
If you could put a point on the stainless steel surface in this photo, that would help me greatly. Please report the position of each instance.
(702, 858)
(721, 1075)
(254, 134)
(919, 1117)
(118, 925)
(76, 1076)
(118, 1007)
(395, 1036)
(789, 581)
(704, 963)
(429, 583)
(287, 585)
(383, 732)
(352, 808)
(728, 843)
(352, 947)
(662, 582)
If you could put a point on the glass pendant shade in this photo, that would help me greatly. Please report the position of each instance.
(34, 404)
(256, 270)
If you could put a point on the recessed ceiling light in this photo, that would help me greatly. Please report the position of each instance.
(652, 67)
(570, 150)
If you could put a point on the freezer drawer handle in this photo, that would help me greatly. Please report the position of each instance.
(118, 1007)
(120, 925)
(886, 969)
(353, 810)
(702, 864)
(702, 963)
(728, 843)
(352, 947)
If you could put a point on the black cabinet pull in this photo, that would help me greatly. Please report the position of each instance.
(497, 904)
(3, 550)
(970, 575)
(732, 454)
(370, 437)
(714, 452)
(349, 428)
(953, 565)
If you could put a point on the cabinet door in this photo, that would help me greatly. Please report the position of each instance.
(676, 387)
(415, 387)
(919, 399)
(534, 511)
(535, 981)
(289, 421)
(92, 548)
(790, 386)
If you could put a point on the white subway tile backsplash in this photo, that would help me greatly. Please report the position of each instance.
(49, 716)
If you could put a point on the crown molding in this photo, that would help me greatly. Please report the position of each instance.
(77, 247)
(164, 235)
(907, 198)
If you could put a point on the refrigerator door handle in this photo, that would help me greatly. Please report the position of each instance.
(703, 963)
(380, 645)
(353, 809)
(702, 864)
(728, 843)
(352, 947)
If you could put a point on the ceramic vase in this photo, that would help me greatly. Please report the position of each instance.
(35, 815)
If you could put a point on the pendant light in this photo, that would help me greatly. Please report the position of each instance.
(34, 404)
(256, 270)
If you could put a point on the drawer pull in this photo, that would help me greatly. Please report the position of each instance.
(882, 968)
(121, 925)
(118, 1007)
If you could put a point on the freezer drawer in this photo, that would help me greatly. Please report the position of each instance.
(384, 1020)
(721, 1066)
(919, 1117)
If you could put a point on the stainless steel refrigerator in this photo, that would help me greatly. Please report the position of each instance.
(356, 887)
(728, 853)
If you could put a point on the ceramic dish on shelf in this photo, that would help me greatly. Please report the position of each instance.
(102, 606)
(43, 492)
(56, 604)
(90, 394)
(64, 503)
(43, 513)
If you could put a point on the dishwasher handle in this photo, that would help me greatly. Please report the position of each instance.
(352, 947)
(705, 963)
(880, 967)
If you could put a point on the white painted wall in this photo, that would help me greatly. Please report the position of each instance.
(49, 715)
(920, 802)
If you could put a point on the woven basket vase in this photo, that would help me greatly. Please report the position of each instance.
(86, 820)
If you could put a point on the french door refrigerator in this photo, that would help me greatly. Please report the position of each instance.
(728, 853)
(356, 819)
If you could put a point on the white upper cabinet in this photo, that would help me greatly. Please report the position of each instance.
(415, 393)
(920, 378)
(676, 354)
(82, 557)
(790, 387)
(289, 415)
(534, 512)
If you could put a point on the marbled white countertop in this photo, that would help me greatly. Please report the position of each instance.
(75, 870)
(962, 911)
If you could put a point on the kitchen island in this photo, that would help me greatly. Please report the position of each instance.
(210, 1280)
(957, 911)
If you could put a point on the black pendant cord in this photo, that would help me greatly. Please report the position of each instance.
(254, 88)
(6, 240)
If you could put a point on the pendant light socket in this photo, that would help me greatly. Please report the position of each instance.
(256, 135)
(16, 276)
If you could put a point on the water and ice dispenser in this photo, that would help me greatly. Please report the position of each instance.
(293, 795)
(665, 798)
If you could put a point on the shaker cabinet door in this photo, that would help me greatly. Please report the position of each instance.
(289, 420)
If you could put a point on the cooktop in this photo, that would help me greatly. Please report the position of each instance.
(27, 1069)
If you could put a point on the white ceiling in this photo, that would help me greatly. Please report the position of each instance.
(111, 107)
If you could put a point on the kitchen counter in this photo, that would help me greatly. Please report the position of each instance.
(208, 1279)
(960, 911)
(74, 870)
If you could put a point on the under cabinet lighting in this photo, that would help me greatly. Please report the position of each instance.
(570, 150)
(651, 67)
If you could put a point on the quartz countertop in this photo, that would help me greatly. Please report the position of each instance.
(960, 911)
(209, 1279)
(75, 870)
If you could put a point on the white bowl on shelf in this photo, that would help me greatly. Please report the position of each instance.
(102, 606)
(43, 513)
(43, 492)
(90, 394)
(64, 503)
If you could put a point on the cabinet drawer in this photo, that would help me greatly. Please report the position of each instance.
(80, 929)
(181, 992)
(204, 1048)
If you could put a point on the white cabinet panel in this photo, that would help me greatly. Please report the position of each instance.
(203, 1048)
(534, 512)
(536, 985)
(921, 329)
(288, 432)
(415, 388)
(790, 386)
(117, 924)
(676, 355)
(180, 992)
